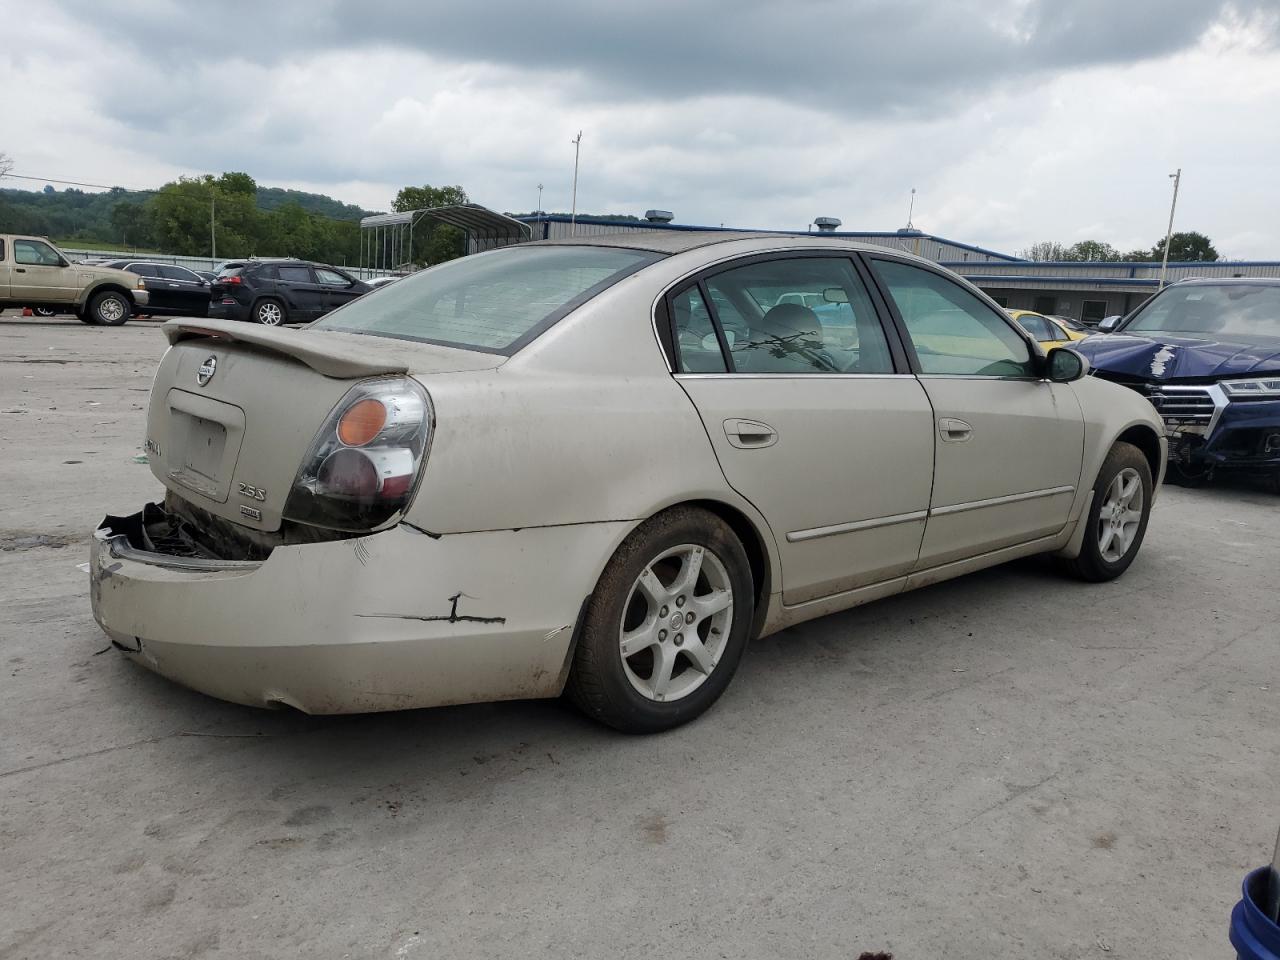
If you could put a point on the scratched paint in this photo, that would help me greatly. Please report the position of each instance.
(1161, 360)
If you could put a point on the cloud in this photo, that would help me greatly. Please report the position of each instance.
(1017, 120)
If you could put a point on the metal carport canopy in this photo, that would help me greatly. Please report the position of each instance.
(472, 218)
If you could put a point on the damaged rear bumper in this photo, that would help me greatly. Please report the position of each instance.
(391, 621)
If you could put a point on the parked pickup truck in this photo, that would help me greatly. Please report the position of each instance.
(34, 273)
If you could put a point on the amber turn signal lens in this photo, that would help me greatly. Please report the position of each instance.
(362, 422)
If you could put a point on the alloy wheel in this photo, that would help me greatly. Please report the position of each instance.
(270, 314)
(676, 622)
(111, 309)
(1120, 515)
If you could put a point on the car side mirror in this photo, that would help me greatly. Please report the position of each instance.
(1107, 324)
(1065, 365)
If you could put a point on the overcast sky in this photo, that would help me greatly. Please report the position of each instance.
(1015, 120)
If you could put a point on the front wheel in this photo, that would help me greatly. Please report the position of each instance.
(666, 626)
(110, 308)
(1118, 515)
(1188, 475)
(269, 312)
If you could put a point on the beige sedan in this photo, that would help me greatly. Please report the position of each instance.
(600, 466)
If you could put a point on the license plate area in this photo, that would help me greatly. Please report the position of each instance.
(204, 438)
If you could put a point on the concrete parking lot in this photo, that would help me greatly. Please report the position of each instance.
(1007, 765)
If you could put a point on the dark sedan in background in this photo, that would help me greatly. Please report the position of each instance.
(171, 290)
(1207, 355)
(275, 292)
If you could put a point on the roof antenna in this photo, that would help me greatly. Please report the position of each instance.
(911, 209)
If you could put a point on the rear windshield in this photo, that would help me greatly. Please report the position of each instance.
(231, 270)
(1204, 310)
(495, 302)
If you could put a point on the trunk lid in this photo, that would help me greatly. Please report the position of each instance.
(235, 406)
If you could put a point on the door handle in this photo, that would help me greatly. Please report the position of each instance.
(747, 434)
(954, 431)
(19, 269)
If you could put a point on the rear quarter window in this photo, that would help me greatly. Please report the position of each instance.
(494, 302)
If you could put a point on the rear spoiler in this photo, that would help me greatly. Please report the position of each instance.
(344, 356)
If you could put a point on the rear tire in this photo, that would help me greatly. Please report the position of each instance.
(1117, 518)
(110, 308)
(44, 311)
(270, 313)
(667, 625)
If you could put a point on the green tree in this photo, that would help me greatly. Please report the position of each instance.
(183, 211)
(130, 223)
(433, 242)
(1044, 251)
(1091, 250)
(1186, 246)
(420, 198)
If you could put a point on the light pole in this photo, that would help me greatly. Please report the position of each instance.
(539, 210)
(1168, 236)
(573, 216)
(911, 209)
(213, 237)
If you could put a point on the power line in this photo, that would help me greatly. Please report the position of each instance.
(77, 183)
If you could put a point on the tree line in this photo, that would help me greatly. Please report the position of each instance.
(1185, 246)
(186, 215)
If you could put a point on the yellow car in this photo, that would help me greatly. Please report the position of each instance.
(1049, 331)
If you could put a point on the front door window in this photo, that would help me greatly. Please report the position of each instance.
(952, 331)
(36, 254)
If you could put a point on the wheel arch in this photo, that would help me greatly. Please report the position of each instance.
(274, 298)
(1148, 441)
(753, 542)
(104, 286)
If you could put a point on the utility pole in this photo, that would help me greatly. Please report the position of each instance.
(539, 210)
(213, 237)
(1164, 262)
(911, 209)
(573, 216)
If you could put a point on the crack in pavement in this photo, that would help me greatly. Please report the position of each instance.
(138, 743)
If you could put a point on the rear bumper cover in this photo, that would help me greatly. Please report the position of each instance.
(391, 621)
(228, 311)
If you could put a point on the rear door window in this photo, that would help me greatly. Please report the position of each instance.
(697, 344)
(295, 274)
(799, 315)
(178, 273)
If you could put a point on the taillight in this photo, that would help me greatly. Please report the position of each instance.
(364, 464)
(230, 280)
